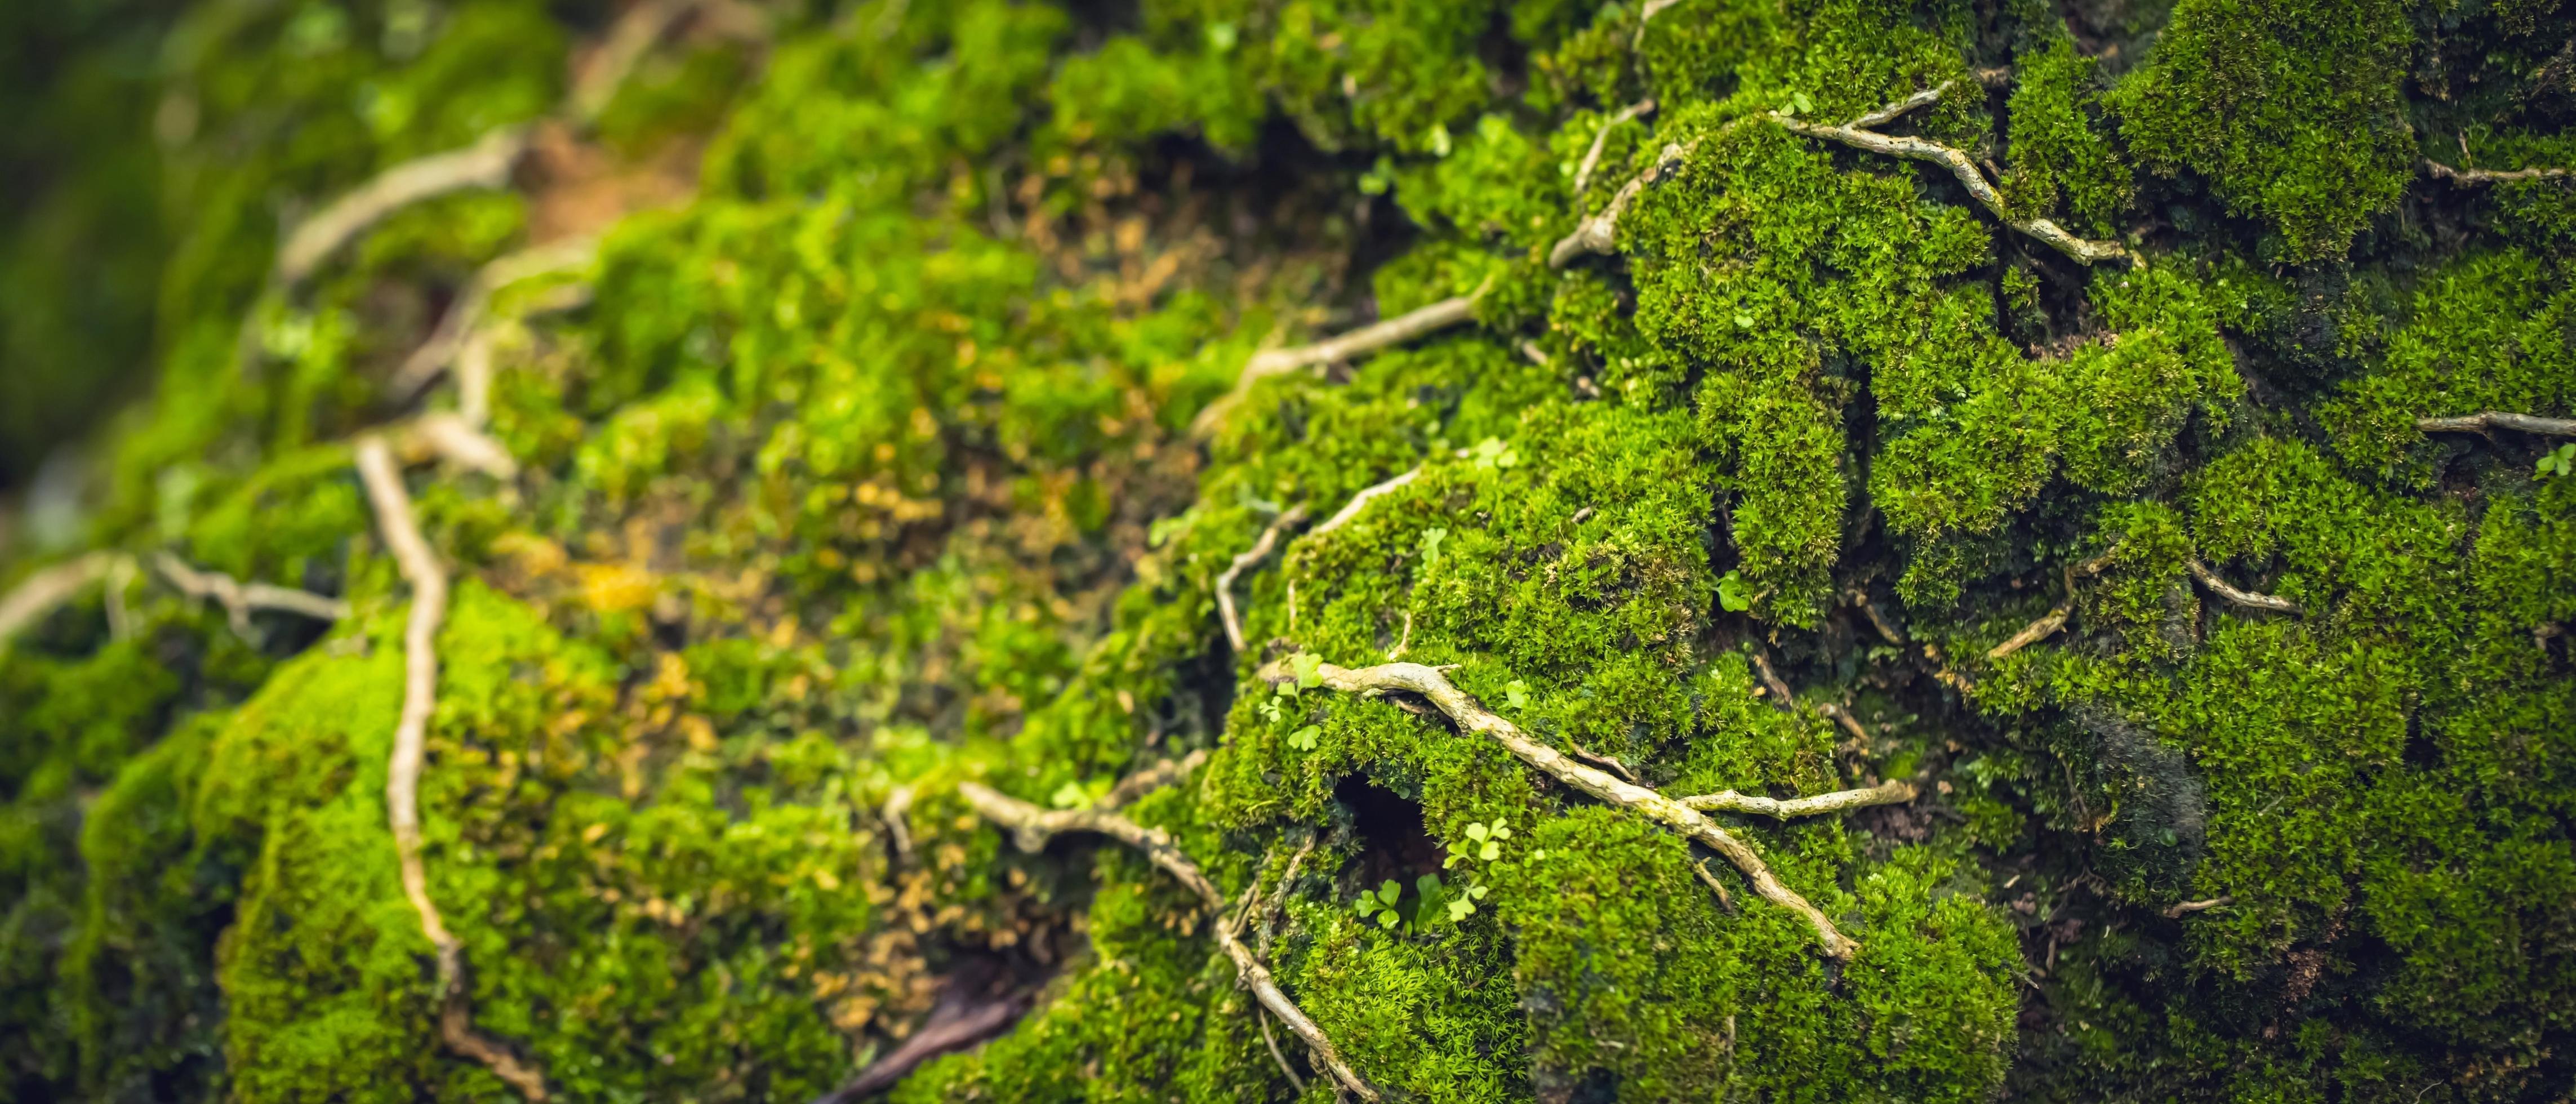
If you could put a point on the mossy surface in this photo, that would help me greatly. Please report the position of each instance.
(866, 465)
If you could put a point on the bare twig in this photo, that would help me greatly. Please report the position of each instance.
(1857, 135)
(1725, 900)
(447, 343)
(241, 600)
(1260, 549)
(1851, 724)
(1149, 780)
(447, 435)
(1592, 157)
(47, 590)
(2036, 631)
(485, 164)
(1267, 1039)
(1031, 827)
(1471, 716)
(2245, 598)
(2470, 178)
(1599, 233)
(2497, 419)
(1359, 502)
(428, 579)
(1729, 801)
(1609, 763)
(2187, 907)
(1366, 339)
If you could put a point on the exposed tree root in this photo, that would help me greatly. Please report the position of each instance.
(473, 304)
(485, 164)
(1471, 715)
(420, 567)
(1729, 801)
(1259, 550)
(240, 600)
(1857, 135)
(2470, 178)
(1592, 156)
(1031, 828)
(2188, 907)
(2497, 419)
(1877, 619)
(1599, 233)
(47, 590)
(1366, 339)
(2245, 598)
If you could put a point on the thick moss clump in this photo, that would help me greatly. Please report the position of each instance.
(898, 435)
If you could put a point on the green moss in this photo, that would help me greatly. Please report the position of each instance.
(2288, 112)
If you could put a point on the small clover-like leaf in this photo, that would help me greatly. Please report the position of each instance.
(1733, 593)
(1490, 851)
(1502, 831)
(1479, 832)
(1389, 891)
(1517, 692)
(1067, 796)
(1309, 668)
(1477, 892)
(1804, 104)
(1431, 539)
(1460, 908)
(1389, 918)
(1304, 739)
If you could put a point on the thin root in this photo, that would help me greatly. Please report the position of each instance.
(2036, 631)
(240, 600)
(2470, 178)
(2186, 908)
(2497, 419)
(1472, 716)
(1592, 156)
(420, 567)
(1857, 135)
(1259, 550)
(47, 590)
(1599, 233)
(1150, 779)
(485, 164)
(1031, 827)
(1366, 339)
(1839, 801)
(447, 344)
(2245, 598)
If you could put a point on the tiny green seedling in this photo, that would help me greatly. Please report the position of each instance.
(1483, 844)
(1492, 454)
(1517, 692)
(1733, 593)
(1431, 539)
(2559, 462)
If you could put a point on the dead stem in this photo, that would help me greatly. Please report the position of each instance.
(420, 567)
(1031, 828)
